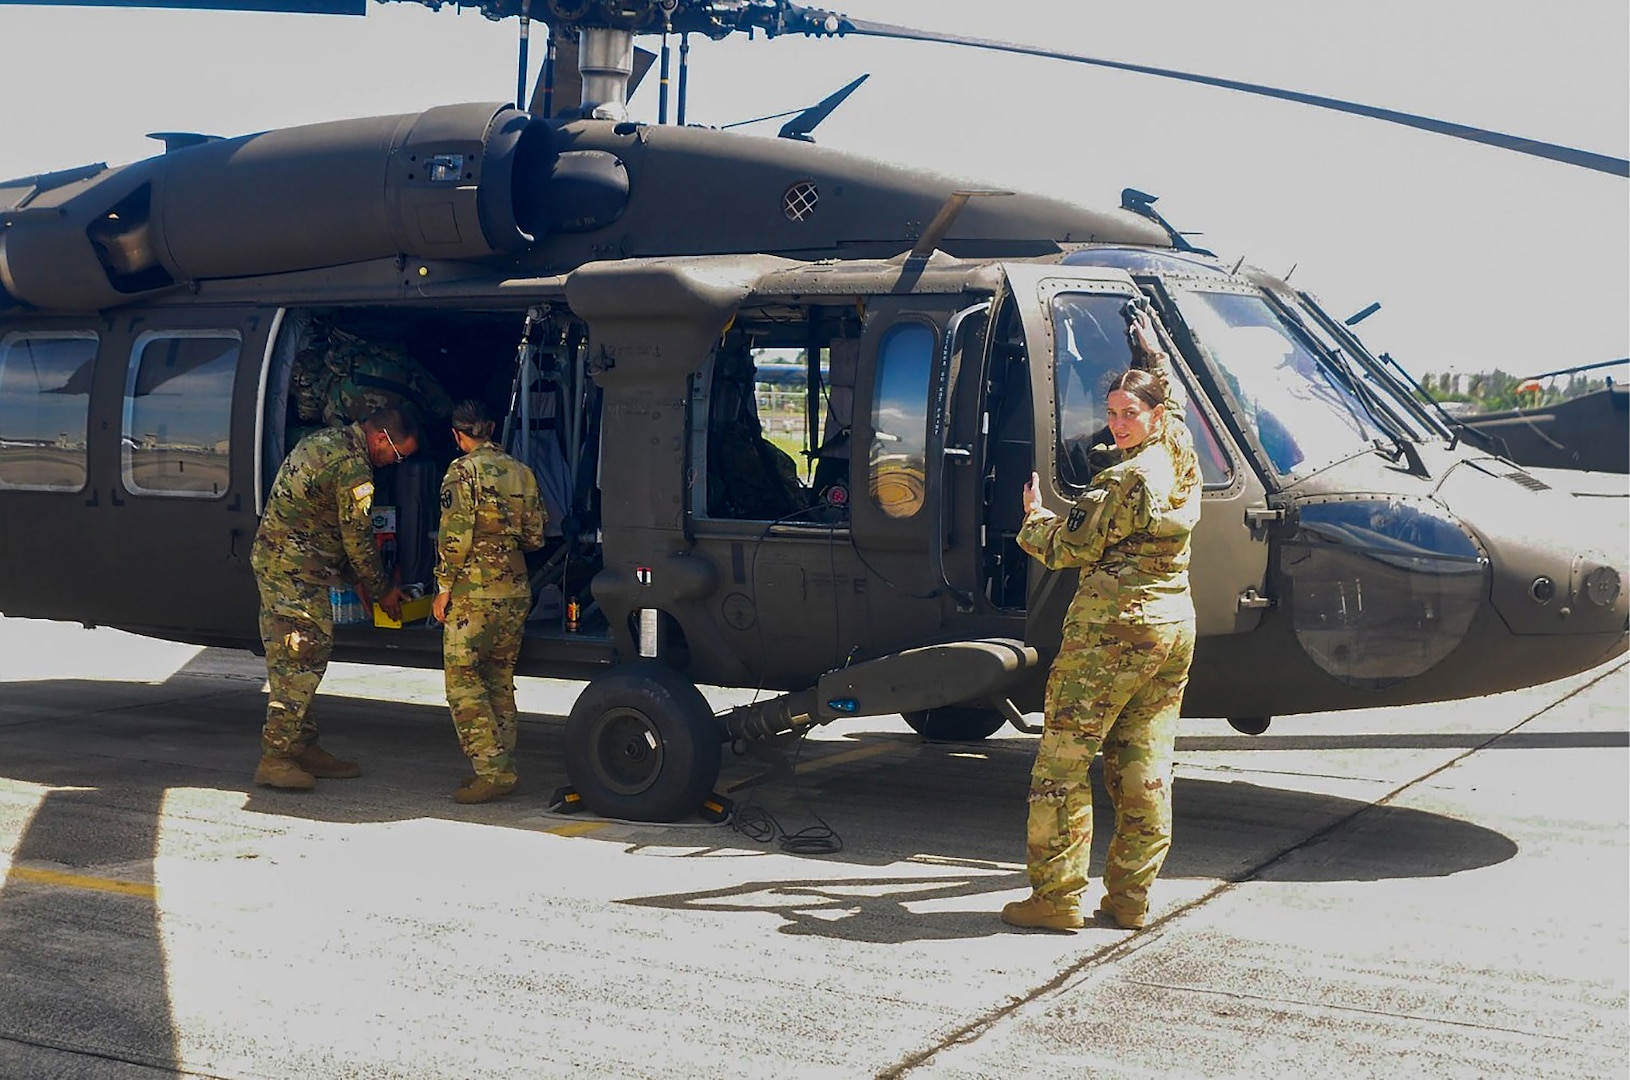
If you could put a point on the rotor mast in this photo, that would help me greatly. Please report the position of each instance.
(606, 60)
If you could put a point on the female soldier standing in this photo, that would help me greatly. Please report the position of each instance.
(490, 514)
(1118, 681)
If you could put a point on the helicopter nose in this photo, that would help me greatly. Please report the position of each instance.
(1559, 560)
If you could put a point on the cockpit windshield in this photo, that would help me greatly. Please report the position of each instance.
(1302, 413)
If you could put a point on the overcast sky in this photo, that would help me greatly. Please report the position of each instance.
(1481, 258)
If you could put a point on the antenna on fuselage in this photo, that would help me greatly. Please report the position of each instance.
(943, 220)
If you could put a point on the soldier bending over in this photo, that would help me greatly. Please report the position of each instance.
(316, 533)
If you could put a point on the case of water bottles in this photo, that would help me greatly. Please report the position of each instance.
(348, 608)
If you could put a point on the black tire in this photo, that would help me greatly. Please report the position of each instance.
(642, 743)
(1250, 725)
(955, 723)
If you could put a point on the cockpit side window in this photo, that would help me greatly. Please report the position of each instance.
(748, 475)
(1090, 349)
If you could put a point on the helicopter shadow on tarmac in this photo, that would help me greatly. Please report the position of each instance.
(897, 801)
(972, 825)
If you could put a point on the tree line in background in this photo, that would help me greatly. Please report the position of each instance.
(1496, 391)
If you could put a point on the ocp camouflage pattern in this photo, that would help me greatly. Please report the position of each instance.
(1117, 683)
(480, 644)
(316, 532)
(317, 527)
(340, 378)
(490, 513)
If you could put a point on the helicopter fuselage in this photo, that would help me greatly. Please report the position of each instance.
(611, 289)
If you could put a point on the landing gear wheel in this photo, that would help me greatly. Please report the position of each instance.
(1250, 725)
(955, 723)
(642, 744)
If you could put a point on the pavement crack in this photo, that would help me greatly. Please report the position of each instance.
(976, 1028)
(1325, 1006)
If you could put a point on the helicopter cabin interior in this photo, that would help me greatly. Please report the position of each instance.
(771, 408)
(771, 466)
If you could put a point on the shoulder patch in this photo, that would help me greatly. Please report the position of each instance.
(446, 498)
(1077, 518)
(363, 492)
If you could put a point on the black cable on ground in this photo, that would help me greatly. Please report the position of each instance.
(758, 824)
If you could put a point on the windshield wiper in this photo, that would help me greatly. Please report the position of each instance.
(1450, 425)
(1403, 447)
(1437, 417)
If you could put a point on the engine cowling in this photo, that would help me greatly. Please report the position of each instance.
(442, 184)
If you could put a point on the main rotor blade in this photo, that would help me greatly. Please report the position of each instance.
(300, 7)
(1621, 361)
(1584, 159)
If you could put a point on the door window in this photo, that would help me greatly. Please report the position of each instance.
(1091, 350)
(45, 384)
(899, 450)
(178, 414)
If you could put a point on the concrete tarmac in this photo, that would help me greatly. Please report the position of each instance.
(1437, 891)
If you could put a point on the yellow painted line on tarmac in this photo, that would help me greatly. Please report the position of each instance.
(858, 754)
(577, 828)
(80, 881)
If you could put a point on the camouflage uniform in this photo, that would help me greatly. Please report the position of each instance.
(1118, 681)
(316, 533)
(339, 378)
(490, 513)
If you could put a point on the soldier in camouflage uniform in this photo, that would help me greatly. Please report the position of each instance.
(1117, 683)
(491, 513)
(317, 533)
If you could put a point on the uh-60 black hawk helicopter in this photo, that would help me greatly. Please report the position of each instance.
(610, 287)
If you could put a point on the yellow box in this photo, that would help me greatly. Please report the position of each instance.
(412, 611)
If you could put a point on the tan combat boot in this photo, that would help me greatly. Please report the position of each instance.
(480, 790)
(282, 772)
(1039, 913)
(319, 762)
(1107, 915)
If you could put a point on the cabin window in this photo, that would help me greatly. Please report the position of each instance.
(45, 384)
(898, 456)
(756, 424)
(1091, 349)
(178, 414)
(772, 416)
